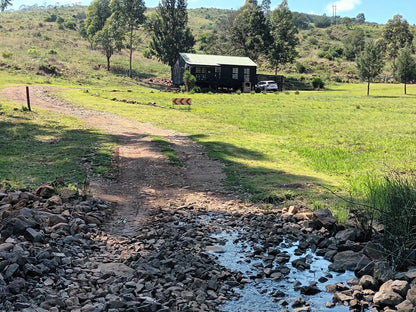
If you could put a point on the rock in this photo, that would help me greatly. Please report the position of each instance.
(310, 290)
(325, 218)
(349, 260)
(215, 249)
(17, 285)
(346, 235)
(383, 271)
(368, 282)
(387, 298)
(45, 191)
(34, 236)
(406, 306)
(6, 247)
(118, 269)
(411, 295)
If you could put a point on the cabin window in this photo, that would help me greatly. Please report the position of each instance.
(201, 70)
(246, 73)
(235, 72)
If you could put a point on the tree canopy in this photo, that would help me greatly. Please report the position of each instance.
(130, 13)
(397, 35)
(370, 63)
(97, 14)
(282, 49)
(406, 67)
(169, 31)
(250, 31)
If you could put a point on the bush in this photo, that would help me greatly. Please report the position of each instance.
(147, 53)
(317, 83)
(300, 68)
(32, 51)
(7, 54)
(189, 81)
(49, 69)
(391, 201)
(52, 51)
(51, 18)
(196, 89)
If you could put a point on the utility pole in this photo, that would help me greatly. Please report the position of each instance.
(334, 13)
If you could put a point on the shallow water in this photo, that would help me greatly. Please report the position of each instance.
(257, 295)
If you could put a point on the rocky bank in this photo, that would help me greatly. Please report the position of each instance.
(55, 256)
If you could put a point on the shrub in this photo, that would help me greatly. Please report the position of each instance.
(238, 92)
(391, 201)
(147, 53)
(7, 54)
(189, 80)
(70, 24)
(52, 51)
(32, 51)
(196, 89)
(51, 18)
(300, 68)
(317, 83)
(49, 69)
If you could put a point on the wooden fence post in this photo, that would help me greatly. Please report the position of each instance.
(28, 98)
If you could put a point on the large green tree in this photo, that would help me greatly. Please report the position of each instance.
(170, 34)
(370, 63)
(284, 34)
(110, 38)
(406, 67)
(354, 43)
(129, 13)
(397, 35)
(4, 4)
(97, 14)
(250, 32)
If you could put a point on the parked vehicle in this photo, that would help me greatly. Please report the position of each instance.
(268, 85)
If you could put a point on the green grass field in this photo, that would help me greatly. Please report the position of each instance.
(284, 145)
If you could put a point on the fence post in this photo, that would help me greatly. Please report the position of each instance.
(28, 98)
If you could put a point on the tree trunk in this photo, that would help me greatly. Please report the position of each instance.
(405, 91)
(368, 87)
(131, 52)
(108, 63)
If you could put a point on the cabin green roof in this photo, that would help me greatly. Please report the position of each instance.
(216, 60)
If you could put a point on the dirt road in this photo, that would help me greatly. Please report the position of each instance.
(146, 178)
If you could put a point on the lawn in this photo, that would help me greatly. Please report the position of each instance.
(287, 144)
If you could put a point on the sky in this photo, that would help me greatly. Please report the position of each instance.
(378, 11)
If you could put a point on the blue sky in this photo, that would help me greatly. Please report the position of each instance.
(379, 11)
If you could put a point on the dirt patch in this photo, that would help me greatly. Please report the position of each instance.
(146, 180)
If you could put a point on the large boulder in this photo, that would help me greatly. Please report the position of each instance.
(349, 260)
(325, 218)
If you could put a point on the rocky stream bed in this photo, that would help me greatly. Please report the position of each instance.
(55, 256)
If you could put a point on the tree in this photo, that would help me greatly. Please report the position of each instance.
(4, 4)
(110, 38)
(130, 13)
(360, 19)
(406, 67)
(265, 7)
(370, 63)
(250, 31)
(97, 14)
(322, 21)
(354, 43)
(301, 20)
(169, 31)
(284, 34)
(397, 35)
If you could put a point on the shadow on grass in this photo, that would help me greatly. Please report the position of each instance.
(264, 184)
(31, 154)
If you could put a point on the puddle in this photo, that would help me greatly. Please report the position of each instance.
(257, 295)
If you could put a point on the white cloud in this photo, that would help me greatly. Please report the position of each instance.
(343, 5)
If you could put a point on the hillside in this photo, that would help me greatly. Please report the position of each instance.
(31, 45)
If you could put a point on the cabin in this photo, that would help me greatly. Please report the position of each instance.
(216, 71)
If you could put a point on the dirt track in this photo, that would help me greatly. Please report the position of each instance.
(146, 179)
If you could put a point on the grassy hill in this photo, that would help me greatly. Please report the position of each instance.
(31, 45)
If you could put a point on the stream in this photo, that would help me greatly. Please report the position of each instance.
(278, 294)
